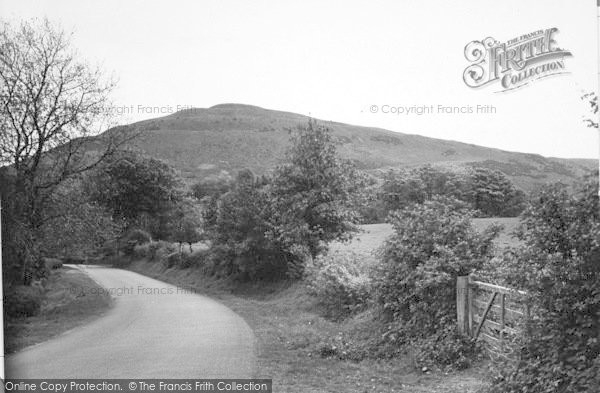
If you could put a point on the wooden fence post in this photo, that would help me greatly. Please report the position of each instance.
(462, 304)
(470, 299)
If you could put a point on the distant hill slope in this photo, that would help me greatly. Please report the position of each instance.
(228, 137)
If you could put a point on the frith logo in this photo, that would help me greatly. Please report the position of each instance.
(514, 63)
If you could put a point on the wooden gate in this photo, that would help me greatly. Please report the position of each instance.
(490, 313)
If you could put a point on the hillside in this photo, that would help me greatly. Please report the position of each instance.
(203, 142)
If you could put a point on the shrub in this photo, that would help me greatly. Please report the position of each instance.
(172, 260)
(74, 260)
(23, 301)
(142, 251)
(448, 349)
(52, 263)
(433, 243)
(118, 261)
(340, 281)
(152, 251)
(194, 259)
(161, 250)
(138, 236)
(558, 266)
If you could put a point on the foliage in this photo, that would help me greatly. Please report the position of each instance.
(22, 301)
(184, 224)
(138, 236)
(448, 349)
(212, 186)
(488, 192)
(53, 263)
(131, 186)
(558, 266)
(493, 194)
(433, 243)
(238, 232)
(79, 225)
(340, 281)
(315, 193)
(268, 227)
(51, 102)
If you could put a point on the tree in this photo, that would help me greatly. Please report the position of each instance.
(51, 104)
(316, 194)
(238, 224)
(135, 188)
(184, 224)
(80, 226)
(214, 186)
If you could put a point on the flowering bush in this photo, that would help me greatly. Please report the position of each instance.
(341, 282)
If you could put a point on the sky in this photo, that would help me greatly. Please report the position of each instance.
(348, 61)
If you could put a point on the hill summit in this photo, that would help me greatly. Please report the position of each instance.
(202, 142)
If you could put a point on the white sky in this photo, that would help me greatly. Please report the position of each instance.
(334, 59)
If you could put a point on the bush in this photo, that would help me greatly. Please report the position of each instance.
(118, 261)
(172, 260)
(558, 266)
(340, 281)
(138, 236)
(142, 251)
(433, 244)
(52, 263)
(74, 260)
(194, 259)
(448, 349)
(23, 301)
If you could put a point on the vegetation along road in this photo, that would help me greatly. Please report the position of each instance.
(154, 330)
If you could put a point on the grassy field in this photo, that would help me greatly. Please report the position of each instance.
(71, 299)
(372, 236)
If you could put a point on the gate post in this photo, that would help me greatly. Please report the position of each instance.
(462, 304)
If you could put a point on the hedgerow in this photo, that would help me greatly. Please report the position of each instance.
(415, 282)
(559, 266)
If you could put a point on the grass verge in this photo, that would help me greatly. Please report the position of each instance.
(70, 300)
(289, 328)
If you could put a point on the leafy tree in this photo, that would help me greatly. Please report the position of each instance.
(315, 193)
(134, 187)
(267, 228)
(488, 192)
(402, 188)
(51, 103)
(184, 224)
(212, 186)
(79, 226)
(493, 194)
(238, 227)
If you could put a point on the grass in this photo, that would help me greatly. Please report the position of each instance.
(505, 238)
(373, 235)
(71, 299)
(289, 330)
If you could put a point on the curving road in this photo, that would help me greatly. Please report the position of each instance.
(153, 330)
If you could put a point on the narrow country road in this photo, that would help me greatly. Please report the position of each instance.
(153, 330)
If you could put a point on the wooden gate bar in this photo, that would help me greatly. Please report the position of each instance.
(487, 309)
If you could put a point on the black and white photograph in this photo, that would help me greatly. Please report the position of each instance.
(300, 196)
